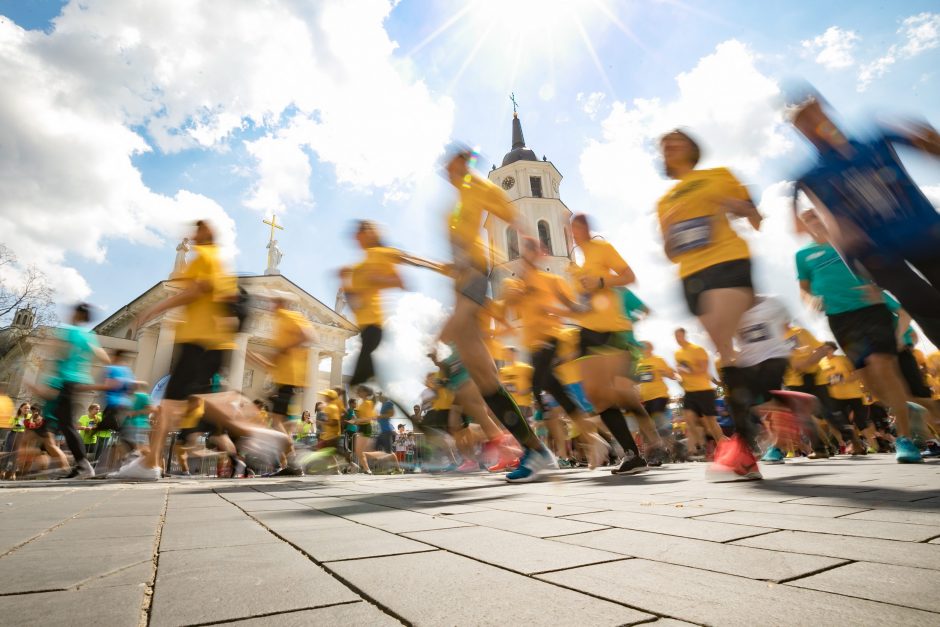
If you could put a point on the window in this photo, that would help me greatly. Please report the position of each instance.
(512, 243)
(535, 182)
(545, 237)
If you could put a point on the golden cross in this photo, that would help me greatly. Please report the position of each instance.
(274, 225)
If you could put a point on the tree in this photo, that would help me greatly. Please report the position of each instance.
(23, 289)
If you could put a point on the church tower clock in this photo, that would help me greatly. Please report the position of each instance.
(532, 186)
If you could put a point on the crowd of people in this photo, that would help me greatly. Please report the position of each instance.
(578, 387)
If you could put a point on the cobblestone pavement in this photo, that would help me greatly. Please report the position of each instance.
(842, 541)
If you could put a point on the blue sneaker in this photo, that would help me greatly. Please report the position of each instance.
(532, 463)
(773, 456)
(906, 452)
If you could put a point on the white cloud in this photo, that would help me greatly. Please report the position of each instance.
(833, 49)
(921, 33)
(591, 103)
(114, 80)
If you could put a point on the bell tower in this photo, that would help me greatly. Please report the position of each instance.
(532, 186)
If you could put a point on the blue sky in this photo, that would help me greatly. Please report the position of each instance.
(358, 100)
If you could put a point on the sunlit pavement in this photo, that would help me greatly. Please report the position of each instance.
(853, 541)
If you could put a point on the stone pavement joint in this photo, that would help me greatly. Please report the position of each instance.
(147, 601)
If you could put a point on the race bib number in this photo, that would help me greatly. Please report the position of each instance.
(755, 333)
(835, 379)
(511, 388)
(646, 377)
(690, 235)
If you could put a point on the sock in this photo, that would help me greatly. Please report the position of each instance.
(739, 403)
(508, 413)
(614, 420)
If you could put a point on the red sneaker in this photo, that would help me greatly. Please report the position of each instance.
(734, 461)
(471, 465)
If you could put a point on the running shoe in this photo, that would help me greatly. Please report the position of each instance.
(631, 465)
(266, 444)
(655, 457)
(288, 471)
(932, 449)
(469, 465)
(820, 454)
(532, 463)
(906, 452)
(734, 461)
(773, 456)
(504, 465)
(136, 471)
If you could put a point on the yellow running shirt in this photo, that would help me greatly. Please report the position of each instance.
(839, 376)
(601, 261)
(7, 413)
(329, 430)
(290, 368)
(517, 379)
(694, 224)
(569, 349)
(207, 320)
(489, 326)
(649, 373)
(477, 195)
(364, 295)
(690, 358)
(539, 293)
(802, 343)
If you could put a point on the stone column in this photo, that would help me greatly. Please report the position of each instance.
(313, 380)
(336, 369)
(146, 350)
(163, 354)
(236, 369)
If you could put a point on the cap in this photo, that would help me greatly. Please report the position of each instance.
(330, 394)
(797, 95)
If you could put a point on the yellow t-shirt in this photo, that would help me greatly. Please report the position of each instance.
(687, 359)
(290, 367)
(192, 416)
(934, 383)
(694, 224)
(517, 379)
(649, 372)
(919, 357)
(802, 343)
(477, 196)
(839, 377)
(207, 320)
(539, 292)
(330, 429)
(365, 410)
(7, 413)
(569, 347)
(601, 260)
(445, 397)
(933, 363)
(363, 295)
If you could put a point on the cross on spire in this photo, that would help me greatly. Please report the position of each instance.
(274, 225)
(512, 97)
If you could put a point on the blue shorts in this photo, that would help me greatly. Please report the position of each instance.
(576, 391)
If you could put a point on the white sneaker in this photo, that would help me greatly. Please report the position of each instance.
(136, 471)
(85, 471)
(240, 469)
(266, 444)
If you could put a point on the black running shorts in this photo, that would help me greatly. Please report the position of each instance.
(729, 274)
(912, 374)
(281, 399)
(193, 372)
(702, 403)
(865, 332)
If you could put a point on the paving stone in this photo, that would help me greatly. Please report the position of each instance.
(106, 528)
(178, 536)
(839, 526)
(723, 558)
(270, 504)
(686, 509)
(849, 547)
(431, 509)
(686, 528)
(768, 507)
(348, 540)
(437, 588)
(705, 597)
(393, 520)
(199, 515)
(924, 505)
(119, 605)
(901, 585)
(897, 515)
(523, 554)
(541, 508)
(304, 519)
(236, 582)
(353, 614)
(43, 566)
(528, 524)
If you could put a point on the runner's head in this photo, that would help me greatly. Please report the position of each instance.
(581, 229)
(203, 234)
(364, 392)
(531, 250)
(81, 314)
(458, 160)
(680, 337)
(368, 234)
(813, 225)
(681, 153)
(807, 110)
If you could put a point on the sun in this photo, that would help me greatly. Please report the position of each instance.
(512, 40)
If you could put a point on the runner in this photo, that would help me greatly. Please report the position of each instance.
(861, 323)
(205, 338)
(714, 262)
(877, 216)
(699, 402)
(845, 390)
(913, 368)
(462, 330)
(650, 371)
(606, 335)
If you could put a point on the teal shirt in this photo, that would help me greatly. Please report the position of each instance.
(139, 418)
(75, 367)
(895, 307)
(633, 307)
(830, 279)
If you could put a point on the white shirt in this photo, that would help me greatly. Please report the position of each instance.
(760, 334)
